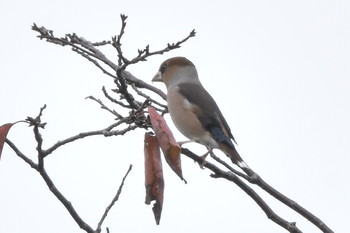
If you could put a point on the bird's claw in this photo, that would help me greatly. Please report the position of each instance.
(203, 157)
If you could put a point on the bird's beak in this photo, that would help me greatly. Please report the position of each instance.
(157, 77)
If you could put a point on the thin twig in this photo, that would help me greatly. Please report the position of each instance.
(123, 61)
(141, 84)
(101, 43)
(140, 93)
(21, 155)
(114, 100)
(95, 62)
(114, 200)
(36, 123)
(107, 132)
(103, 106)
(145, 53)
(86, 53)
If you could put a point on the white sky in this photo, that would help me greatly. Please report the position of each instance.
(278, 70)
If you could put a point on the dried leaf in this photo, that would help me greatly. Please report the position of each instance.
(154, 181)
(4, 129)
(170, 147)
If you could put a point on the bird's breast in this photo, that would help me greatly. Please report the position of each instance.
(183, 114)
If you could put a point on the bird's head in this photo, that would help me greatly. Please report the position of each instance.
(175, 71)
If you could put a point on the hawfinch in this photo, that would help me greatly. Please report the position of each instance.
(193, 111)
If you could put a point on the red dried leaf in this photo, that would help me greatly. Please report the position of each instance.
(4, 129)
(170, 147)
(154, 180)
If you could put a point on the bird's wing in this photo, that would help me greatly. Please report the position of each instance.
(207, 111)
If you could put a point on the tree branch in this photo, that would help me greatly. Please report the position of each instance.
(82, 224)
(290, 203)
(36, 123)
(21, 155)
(115, 199)
(107, 132)
(256, 179)
(218, 173)
(103, 106)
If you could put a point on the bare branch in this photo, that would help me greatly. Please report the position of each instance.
(290, 203)
(140, 93)
(256, 179)
(103, 106)
(21, 155)
(36, 122)
(95, 62)
(117, 44)
(218, 173)
(107, 132)
(114, 100)
(87, 50)
(115, 199)
(102, 43)
(141, 84)
(145, 53)
(40, 168)
(82, 224)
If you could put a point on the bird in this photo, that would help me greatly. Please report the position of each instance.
(192, 109)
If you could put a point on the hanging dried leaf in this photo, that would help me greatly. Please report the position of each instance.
(170, 147)
(4, 129)
(154, 181)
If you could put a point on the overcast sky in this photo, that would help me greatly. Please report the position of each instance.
(279, 71)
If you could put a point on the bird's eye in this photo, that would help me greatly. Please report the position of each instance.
(163, 67)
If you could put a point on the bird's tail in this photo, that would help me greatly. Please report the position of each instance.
(232, 153)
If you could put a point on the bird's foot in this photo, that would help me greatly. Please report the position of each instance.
(203, 157)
